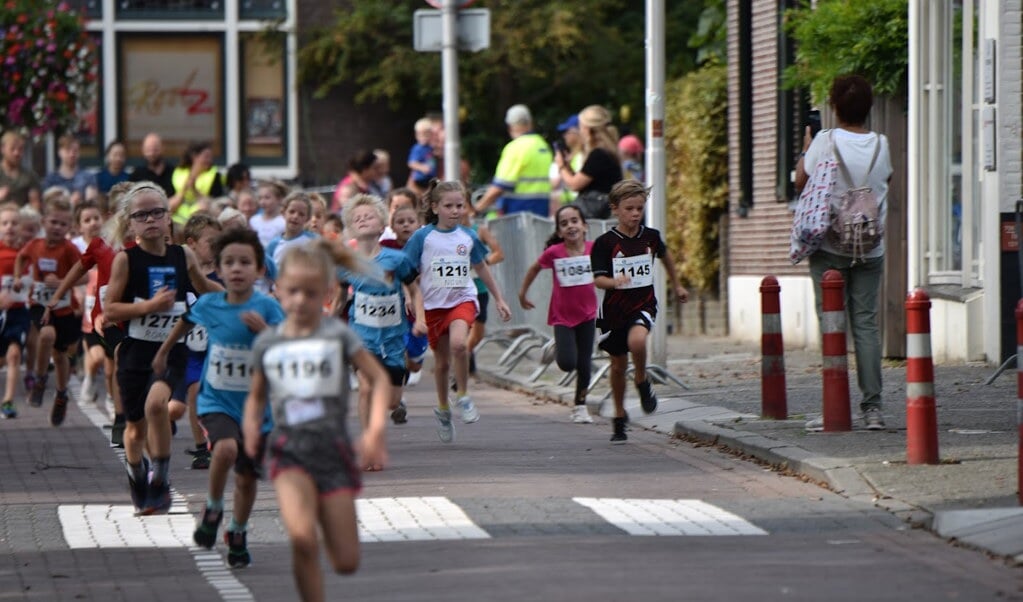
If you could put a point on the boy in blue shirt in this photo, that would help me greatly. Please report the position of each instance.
(232, 320)
(421, 162)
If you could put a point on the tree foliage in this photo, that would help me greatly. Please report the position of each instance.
(867, 37)
(696, 145)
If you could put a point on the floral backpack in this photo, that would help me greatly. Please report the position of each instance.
(812, 218)
(856, 226)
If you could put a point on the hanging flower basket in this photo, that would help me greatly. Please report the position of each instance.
(48, 67)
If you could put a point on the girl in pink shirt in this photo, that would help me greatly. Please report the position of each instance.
(573, 308)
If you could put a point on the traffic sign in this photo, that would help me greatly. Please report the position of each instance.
(473, 30)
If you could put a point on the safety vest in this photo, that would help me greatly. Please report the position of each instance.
(524, 170)
(203, 184)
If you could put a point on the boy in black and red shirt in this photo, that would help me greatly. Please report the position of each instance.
(623, 265)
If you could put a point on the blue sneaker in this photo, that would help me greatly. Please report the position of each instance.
(8, 410)
(158, 500)
(206, 532)
(138, 490)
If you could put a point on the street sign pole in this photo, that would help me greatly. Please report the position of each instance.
(655, 173)
(449, 76)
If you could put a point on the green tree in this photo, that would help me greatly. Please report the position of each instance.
(867, 37)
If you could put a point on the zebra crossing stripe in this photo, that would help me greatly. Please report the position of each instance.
(413, 518)
(669, 517)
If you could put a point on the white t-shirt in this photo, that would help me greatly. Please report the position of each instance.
(857, 150)
(267, 229)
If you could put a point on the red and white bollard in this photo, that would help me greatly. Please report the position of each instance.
(921, 414)
(773, 402)
(837, 416)
(1019, 395)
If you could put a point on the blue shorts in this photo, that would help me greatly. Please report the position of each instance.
(16, 324)
(416, 346)
(193, 374)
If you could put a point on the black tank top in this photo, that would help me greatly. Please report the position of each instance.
(147, 274)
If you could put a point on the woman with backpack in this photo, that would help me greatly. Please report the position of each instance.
(861, 167)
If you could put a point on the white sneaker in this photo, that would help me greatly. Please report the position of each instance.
(88, 390)
(814, 426)
(413, 378)
(353, 382)
(446, 428)
(468, 409)
(581, 415)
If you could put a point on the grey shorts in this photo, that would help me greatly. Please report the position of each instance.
(328, 459)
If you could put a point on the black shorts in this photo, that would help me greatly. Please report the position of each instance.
(91, 339)
(329, 460)
(15, 329)
(112, 337)
(484, 301)
(135, 373)
(396, 373)
(68, 328)
(218, 426)
(615, 342)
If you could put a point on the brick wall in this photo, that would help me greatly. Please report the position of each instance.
(1009, 92)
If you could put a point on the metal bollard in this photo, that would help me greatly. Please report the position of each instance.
(1019, 396)
(921, 414)
(773, 402)
(837, 416)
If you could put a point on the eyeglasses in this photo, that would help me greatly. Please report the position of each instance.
(143, 216)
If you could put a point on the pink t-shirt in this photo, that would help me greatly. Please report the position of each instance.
(573, 296)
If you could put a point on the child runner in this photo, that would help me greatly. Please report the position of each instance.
(573, 306)
(89, 221)
(318, 215)
(232, 319)
(297, 208)
(147, 291)
(302, 368)
(445, 251)
(623, 265)
(16, 324)
(405, 221)
(200, 231)
(49, 259)
(377, 314)
(269, 223)
(397, 198)
(100, 255)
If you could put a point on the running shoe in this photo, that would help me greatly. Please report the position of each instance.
(59, 410)
(205, 534)
(414, 378)
(8, 410)
(399, 415)
(30, 382)
(35, 394)
(580, 415)
(117, 435)
(201, 459)
(158, 499)
(468, 409)
(138, 490)
(647, 398)
(873, 419)
(619, 435)
(237, 551)
(88, 390)
(446, 429)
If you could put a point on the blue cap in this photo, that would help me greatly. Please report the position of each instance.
(571, 122)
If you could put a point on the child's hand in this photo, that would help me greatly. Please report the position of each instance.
(98, 323)
(159, 364)
(681, 293)
(46, 316)
(372, 449)
(524, 302)
(254, 321)
(419, 329)
(503, 310)
(163, 300)
(622, 280)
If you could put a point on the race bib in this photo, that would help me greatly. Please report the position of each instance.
(638, 267)
(42, 294)
(196, 340)
(573, 271)
(90, 303)
(451, 271)
(102, 295)
(155, 327)
(7, 284)
(297, 411)
(378, 311)
(228, 369)
(305, 369)
(47, 264)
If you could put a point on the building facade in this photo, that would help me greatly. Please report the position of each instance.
(955, 144)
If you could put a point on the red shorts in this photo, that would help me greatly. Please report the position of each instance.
(438, 321)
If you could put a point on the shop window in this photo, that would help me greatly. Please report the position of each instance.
(264, 106)
(90, 8)
(261, 9)
(170, 9)
(172, 85)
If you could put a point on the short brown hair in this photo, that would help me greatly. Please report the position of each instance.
(851, 98)
(199, 221)
(627, 189)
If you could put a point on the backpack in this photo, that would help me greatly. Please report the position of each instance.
(812, 218)
(856, 226)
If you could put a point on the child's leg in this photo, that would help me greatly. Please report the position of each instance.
(193, 419)
(158, 434)
(13, 369)
(245, 484)
(44, 350)
(565, 353)
(619, 364)
(340, 532)
(94, 358)
(458, 335)
(637, 347)
(441, 367)
(225, 454)
(364, 399)
(31, 345)
(62, 367)
(299, 505)
(583, 334)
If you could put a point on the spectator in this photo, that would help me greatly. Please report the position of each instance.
(383, 181)
(113, 172)
(239, 178)
(422, 162)
(601, 167)
(631, 150)
(156, 169)
(361, 178)
(17, 184)
(80, 183)
(851, 98)
(521, 180)
(572, 143)
(195, 181)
